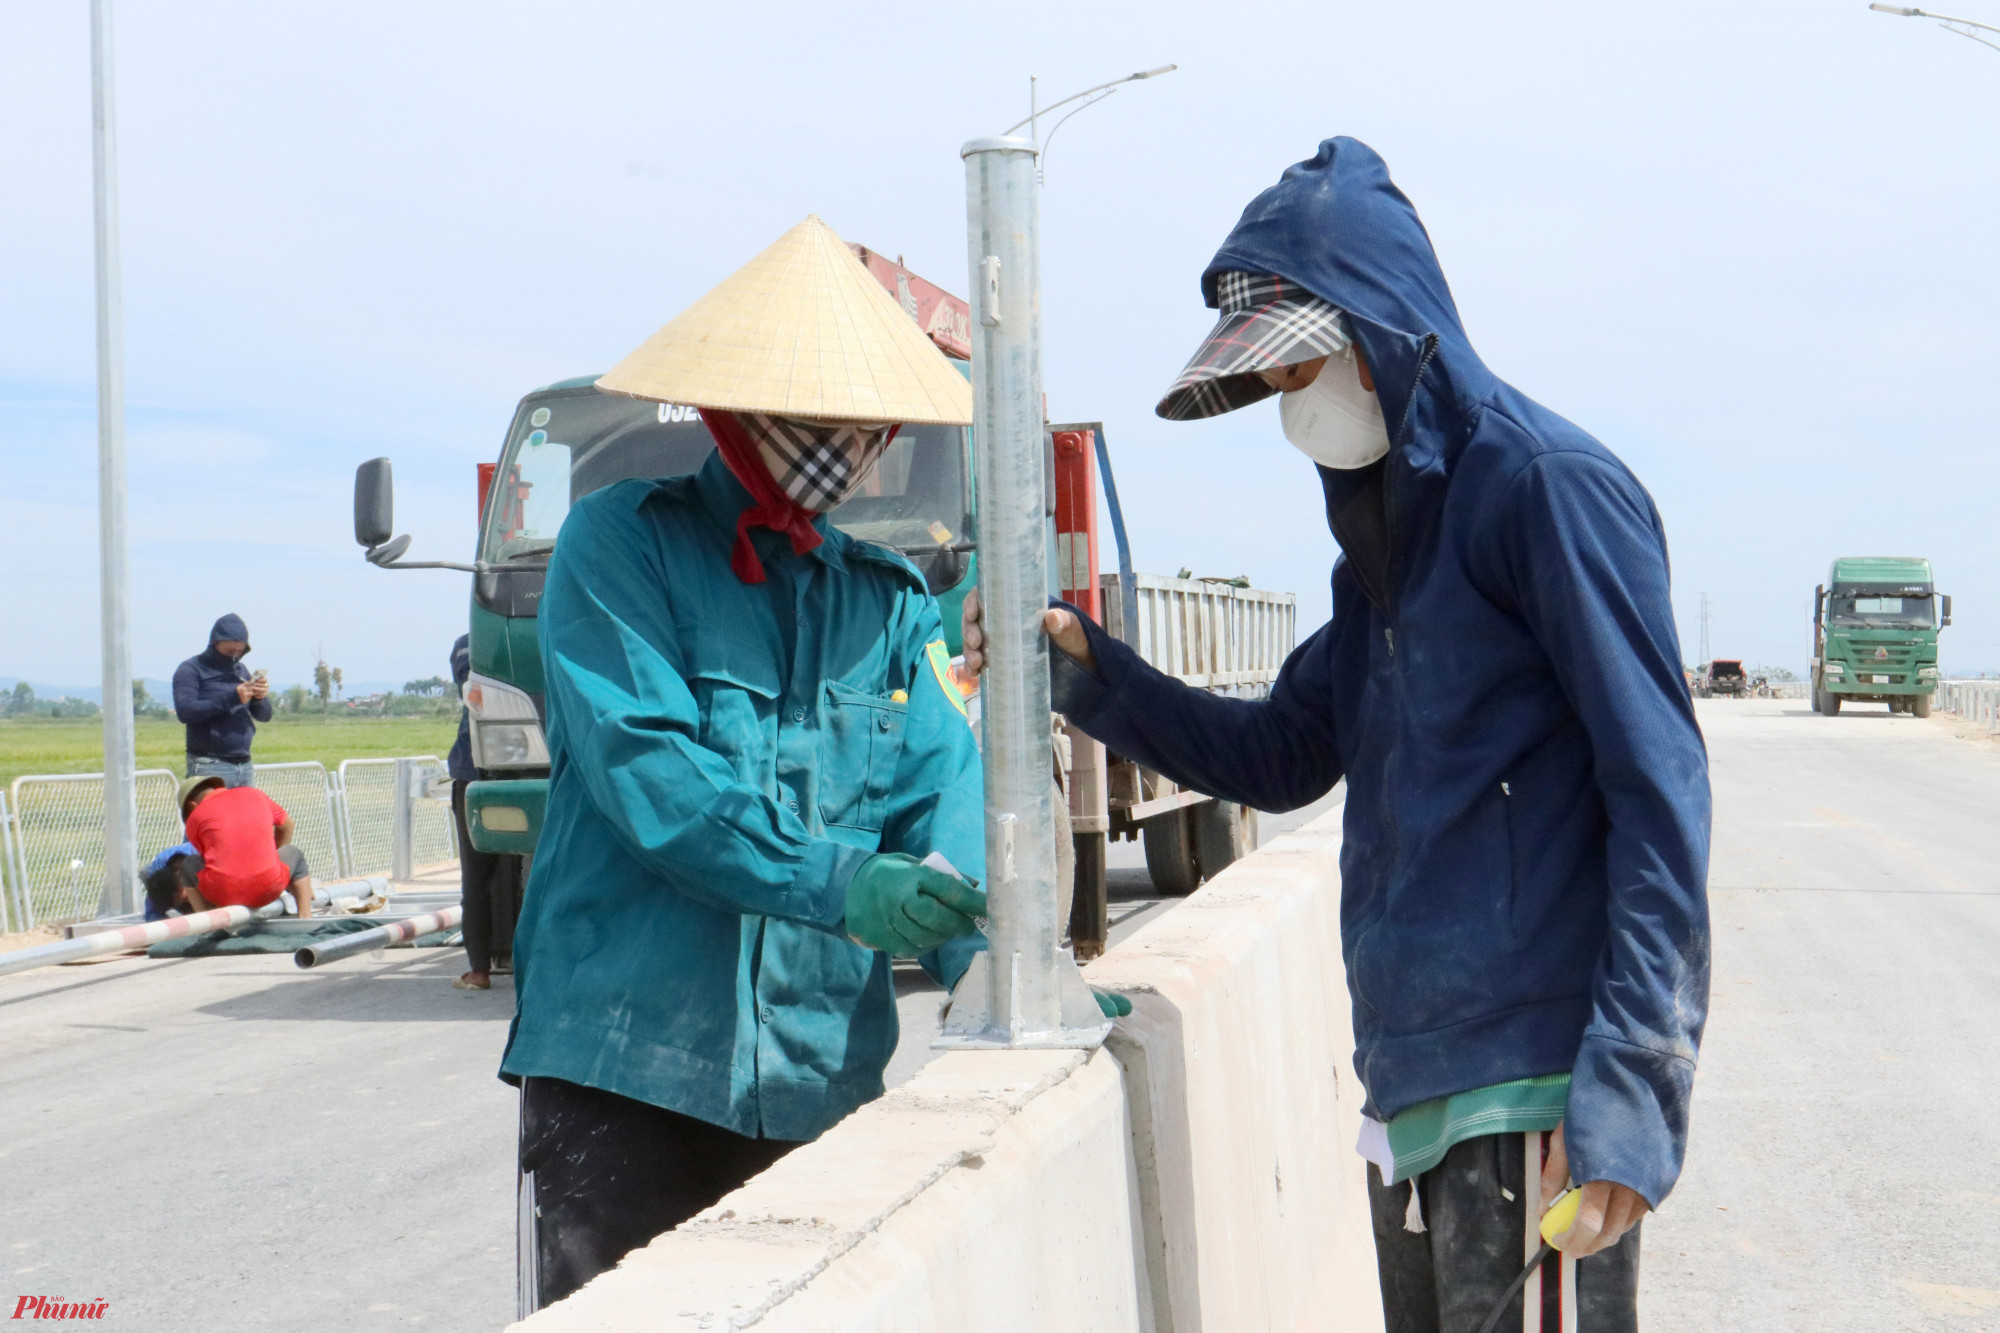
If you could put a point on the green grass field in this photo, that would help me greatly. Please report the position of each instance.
(76, 745)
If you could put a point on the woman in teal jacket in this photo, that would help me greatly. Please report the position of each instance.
(754, 740)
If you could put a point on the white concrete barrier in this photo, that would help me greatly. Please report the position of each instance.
(1197, 1174)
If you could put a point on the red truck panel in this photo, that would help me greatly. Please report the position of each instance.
(938, 313)
(1076, 520)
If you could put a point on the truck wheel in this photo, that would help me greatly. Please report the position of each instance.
(1223, 832)
(1829, 703)
(1920, 705)
(1170, 853)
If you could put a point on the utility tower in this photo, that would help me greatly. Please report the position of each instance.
(1704, 631)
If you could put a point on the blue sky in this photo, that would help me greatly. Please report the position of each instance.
(1747, 246)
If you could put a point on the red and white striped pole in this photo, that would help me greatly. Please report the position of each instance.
(131, 937)
(381, 937)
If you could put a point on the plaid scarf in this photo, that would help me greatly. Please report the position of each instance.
(744, 441)
(817, 463)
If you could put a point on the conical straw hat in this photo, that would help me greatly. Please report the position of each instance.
(802, 330)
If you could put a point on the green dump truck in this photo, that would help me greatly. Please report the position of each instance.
(569, 439)
(1875, 628)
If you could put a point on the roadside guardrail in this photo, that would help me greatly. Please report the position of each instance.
(52, 830)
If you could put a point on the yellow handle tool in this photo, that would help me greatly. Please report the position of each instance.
(1560, 1214)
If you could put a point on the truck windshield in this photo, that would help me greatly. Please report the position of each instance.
(567, 443)
(1865, 611)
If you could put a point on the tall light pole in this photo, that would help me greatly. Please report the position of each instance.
(121, 822)
(1970, 28)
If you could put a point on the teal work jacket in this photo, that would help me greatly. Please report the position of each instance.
(724, 757)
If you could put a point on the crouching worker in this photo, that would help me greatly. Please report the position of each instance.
(753, 744)
(239, 853)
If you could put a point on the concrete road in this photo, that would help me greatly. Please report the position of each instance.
(224, 1144)
(229, 1144)
(1844, 1168)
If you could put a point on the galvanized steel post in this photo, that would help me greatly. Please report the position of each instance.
(121, 817)
(1026, 990)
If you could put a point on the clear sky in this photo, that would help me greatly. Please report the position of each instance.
(1748, 246)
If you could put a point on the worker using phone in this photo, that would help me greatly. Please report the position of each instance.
(221, 701)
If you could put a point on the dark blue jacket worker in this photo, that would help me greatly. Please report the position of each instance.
(754, 742)
(221, 703)
(1523, 907)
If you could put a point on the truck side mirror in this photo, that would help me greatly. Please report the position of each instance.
(1819, 602)
(374, 503)
(1946, 599)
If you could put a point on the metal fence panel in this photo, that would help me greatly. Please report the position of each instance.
(368, 791)
(59, 838)
(305, 789)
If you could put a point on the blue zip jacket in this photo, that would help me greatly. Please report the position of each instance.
(1523, 873)
(725, 757)
(219, 725)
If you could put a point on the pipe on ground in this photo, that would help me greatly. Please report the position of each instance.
(395, 932)
(152, 932)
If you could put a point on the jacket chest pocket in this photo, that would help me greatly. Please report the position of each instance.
(737, 708)
(861, 744)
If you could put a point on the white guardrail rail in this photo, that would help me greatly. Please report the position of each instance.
(1976, 701)
(52, 830)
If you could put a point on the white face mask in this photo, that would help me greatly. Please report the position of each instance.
(1334, 421)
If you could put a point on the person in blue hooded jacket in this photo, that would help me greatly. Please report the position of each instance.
(221, 702)
(1523, 912)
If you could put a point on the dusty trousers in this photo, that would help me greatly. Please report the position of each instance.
(602, 1175)
(489, 888)
(1479, 1209)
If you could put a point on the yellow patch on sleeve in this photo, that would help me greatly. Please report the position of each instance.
(940, 660)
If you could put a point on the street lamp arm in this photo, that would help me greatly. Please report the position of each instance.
(1129, 78)
(1945, 21)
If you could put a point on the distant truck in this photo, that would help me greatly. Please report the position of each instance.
(1875, 628)
(1723, 677)
(569, 439)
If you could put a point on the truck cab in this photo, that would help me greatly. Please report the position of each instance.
(570, 438)
(1875, 630)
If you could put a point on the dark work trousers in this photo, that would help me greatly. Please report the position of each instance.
(1447, 1278)
(489, 888)
(602, 1175)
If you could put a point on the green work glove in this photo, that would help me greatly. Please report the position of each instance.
(1112, 1003)
(900, 907)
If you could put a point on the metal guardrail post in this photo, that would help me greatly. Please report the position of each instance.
(402, 857)
(1025, 991)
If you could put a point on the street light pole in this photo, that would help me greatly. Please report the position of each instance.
(1025, 989)
(121, 825)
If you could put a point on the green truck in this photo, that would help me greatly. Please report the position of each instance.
(569, 439)
(1875, 630)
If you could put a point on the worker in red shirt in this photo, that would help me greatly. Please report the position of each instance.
(244, 841)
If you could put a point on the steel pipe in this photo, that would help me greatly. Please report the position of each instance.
(394, 932)
(131, 937)
(1024, 991)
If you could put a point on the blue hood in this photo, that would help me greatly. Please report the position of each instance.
(230, 627)
(1337, 225)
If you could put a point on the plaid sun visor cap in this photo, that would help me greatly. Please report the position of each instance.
(1266, 322)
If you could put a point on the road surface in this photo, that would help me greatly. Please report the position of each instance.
(1844, 1164)
(232, 1144)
